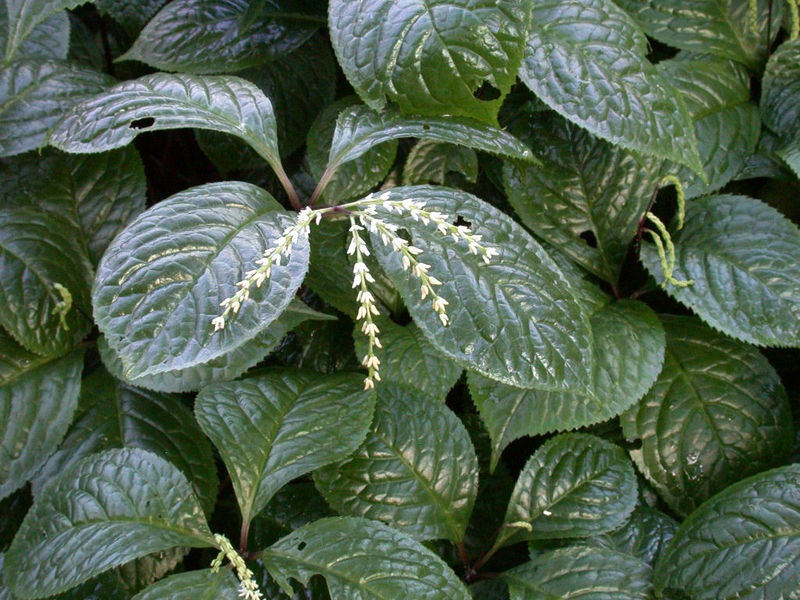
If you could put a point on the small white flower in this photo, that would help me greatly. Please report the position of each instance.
(218, 323)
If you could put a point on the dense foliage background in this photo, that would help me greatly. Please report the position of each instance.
(557, 237)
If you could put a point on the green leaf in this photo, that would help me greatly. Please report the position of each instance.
(717, 413)
(575, 485)
(274, 428)
(791, 156)
(162, 101)
(34, 94)
(25, 15)
(161, 281)
(113, 415)
(416, 470)
(97, 193)
(585, 190)
(586, 60)
(194, 585)
(587, 573)
(49, 39)
(516, 320)
(726, 120)
(742, 256)
(409, 358)
(131, 501)
(430, 56)
(628, 346)
(207, 36)
(294, 505)
(431, 162)
(133, 15)
(223, 368)
(719, 27)
(38, 397)
(362, 560)
(38, 253)
(780, 87)
(744, 542)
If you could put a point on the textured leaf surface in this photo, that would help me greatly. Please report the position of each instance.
(430, 56)
(717, 413)
(207, 36)
(25, 15)
(586, 573)
(34, 94)
(517, 319)
(586, 60)
(131, 501)
(194, 585)
(362, 560)
(416, 470)
(274, 428)
(575, 485)
(37, 400)
(49, 39)
(586, 189)
(628, 346)
(780, 106)
(133, 15)
(97, 193)
(113, 415)
(161, 281)
(743, 543)
(744, 257)
(37, 251)
(432, 162)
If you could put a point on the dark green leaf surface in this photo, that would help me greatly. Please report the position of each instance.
(34, 94)
(628, 346)
(130, 501)
(586, 60)
(743, 543)
(37, 251)
(113, 415)
(744, 258)
(430, 56)
(585, 573)
(25, 15)
(717, 413)
(431, 162)
(161, 281)
(37, 400)
(207, 36)
(362, 560)
(645, 536)
(131, 14)
(575, 485)
(49, 39)
(416, 470)
(780, 106)
(194, 585)
(274, 428)
(516, 320)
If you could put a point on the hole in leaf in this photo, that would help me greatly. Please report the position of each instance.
(426, 127)
(589, 237)
(300, 546)
(143, 123)
(462, 221)
(487, 92)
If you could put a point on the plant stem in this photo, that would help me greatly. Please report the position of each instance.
(243, 535)
(294, 199)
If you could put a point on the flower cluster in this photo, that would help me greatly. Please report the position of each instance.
(248, 588)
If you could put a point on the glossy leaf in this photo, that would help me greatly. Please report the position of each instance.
(25, 15)
(780, 107)
(431, 56)
(34, 94)
(416, 469)
(38, 397)
(274, 428)
(516, 320)
(131, 500)
(194, 585)
(575, 485)
(207, 36)
(586, 60)
(133, 15)
(742, 256)
(113, 415)
(362, 560)
(161, 281)
(628, 346)
(717, 413)
(49, 39)
(744, 542)
(432, 162)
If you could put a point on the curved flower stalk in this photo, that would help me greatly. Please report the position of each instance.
(248, 588)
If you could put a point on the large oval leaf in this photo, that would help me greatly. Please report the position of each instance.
(161, 281)
(48, 39)
(194, 585)
(743, 543)
(780, 107)
(274, 428)
(416, 470)
(516, 319)
(744, 258)
(130, 501)
(25, 15)
(717, 413)
(430, 56)
(362, 560)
